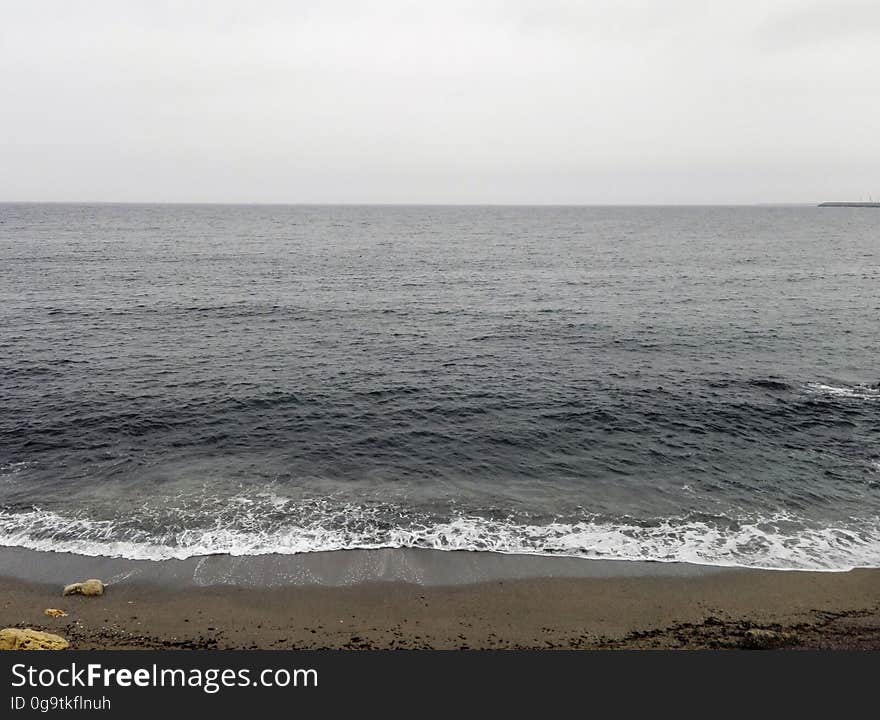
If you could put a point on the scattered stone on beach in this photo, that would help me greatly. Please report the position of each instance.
(15, 639)
(758, 639)
(55, 612)
(89, 587)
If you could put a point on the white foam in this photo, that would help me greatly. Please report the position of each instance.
(8, 470)
(778, 542)
(857, 392)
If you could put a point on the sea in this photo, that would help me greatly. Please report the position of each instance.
(695, 384)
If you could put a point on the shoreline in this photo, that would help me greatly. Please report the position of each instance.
(333, 568)
(396, 599)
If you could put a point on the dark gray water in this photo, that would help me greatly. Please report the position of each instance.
(645, 383)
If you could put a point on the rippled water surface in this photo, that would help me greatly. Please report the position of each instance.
(664, 383)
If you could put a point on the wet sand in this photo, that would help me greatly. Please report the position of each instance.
(387, 599)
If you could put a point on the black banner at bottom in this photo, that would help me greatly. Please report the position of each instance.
(398, 683)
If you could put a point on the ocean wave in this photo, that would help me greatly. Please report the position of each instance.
(778, 542)
(770, 384)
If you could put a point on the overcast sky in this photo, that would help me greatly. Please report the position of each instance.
(542, 101)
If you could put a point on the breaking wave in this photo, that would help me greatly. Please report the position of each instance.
(857, 392)
(777, 542)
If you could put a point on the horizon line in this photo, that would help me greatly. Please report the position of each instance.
(260, 203)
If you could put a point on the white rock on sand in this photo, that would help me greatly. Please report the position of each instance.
(89, 587)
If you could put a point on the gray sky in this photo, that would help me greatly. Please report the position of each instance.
(545, 101)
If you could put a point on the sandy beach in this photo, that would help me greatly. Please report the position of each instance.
(410, 599)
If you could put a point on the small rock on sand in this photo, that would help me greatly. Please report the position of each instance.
(55, 612)
(89, 587)
(15, 639)
(758, 639)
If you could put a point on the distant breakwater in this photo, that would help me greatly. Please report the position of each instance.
(850, 204)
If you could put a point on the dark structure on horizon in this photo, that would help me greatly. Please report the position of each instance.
(850, 204)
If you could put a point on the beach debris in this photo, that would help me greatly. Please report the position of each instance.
(89, 587)
(55, 612)
(16, 639)
(759, 639)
